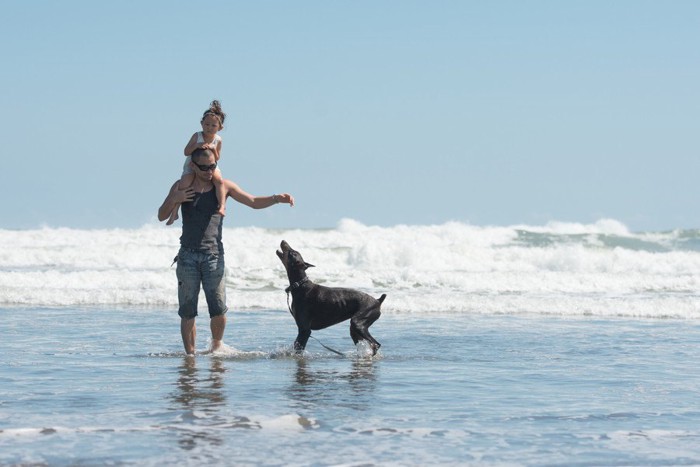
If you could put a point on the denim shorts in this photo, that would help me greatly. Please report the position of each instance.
(195, 268)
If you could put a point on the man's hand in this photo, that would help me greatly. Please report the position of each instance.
(286, 198)
(183, 196)
(175, 198)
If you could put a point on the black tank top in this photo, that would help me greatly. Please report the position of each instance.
(201, 225)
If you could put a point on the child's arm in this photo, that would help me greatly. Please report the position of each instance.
(192, 145)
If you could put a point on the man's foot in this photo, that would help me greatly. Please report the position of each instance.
(173, 218)
(215, 345)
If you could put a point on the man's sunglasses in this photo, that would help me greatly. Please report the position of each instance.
(205, 168)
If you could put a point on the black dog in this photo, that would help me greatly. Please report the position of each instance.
(316, 307)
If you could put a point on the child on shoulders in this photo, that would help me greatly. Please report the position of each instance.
(212, 122)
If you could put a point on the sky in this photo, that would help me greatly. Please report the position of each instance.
(387, 112)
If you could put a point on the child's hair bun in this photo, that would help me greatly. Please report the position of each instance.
(215, 109)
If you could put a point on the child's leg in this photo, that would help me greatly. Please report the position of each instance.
(218, 180)
(185, 181)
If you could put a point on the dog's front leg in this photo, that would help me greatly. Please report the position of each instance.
(301, 317)
(302, 339)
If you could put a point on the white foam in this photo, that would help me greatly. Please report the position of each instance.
(364, 349)
(288, 422)
(558, 268)
(602, 226)
(227, 351)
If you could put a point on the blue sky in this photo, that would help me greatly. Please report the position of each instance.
(387, 112)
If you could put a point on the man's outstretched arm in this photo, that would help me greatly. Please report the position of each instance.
(256, 202)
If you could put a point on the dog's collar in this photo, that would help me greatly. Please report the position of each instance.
(296, 285)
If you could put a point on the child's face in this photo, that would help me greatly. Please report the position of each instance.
(210, 125)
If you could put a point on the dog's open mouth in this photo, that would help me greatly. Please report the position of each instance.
(284, 249)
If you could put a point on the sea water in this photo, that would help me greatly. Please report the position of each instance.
(561, 269)
(562, 344)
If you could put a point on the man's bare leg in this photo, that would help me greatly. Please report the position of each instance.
(188, 329)
(217, 324)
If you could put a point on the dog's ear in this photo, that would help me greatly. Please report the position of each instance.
(309, 265)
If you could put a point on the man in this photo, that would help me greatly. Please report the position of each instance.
(200, 260)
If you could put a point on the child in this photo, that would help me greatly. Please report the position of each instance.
(212, 122)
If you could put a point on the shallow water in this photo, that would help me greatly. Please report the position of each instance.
(112, 386)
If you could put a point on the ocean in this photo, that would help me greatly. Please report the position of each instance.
(559, 344)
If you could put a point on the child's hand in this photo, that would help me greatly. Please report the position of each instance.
(212, 147)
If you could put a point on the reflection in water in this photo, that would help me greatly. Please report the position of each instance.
(200, 397)
(200, 392)
(312, 387)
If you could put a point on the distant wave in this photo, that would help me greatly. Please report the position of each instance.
(558, 268)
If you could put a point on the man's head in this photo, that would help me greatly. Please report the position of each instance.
(203, 163)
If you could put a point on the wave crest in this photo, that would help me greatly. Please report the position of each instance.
(566, 268)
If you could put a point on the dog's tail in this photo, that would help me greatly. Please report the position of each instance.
(381, 299)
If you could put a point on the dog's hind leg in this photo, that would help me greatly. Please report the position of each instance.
(354, 333)
(374, 316)
(359, 327)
